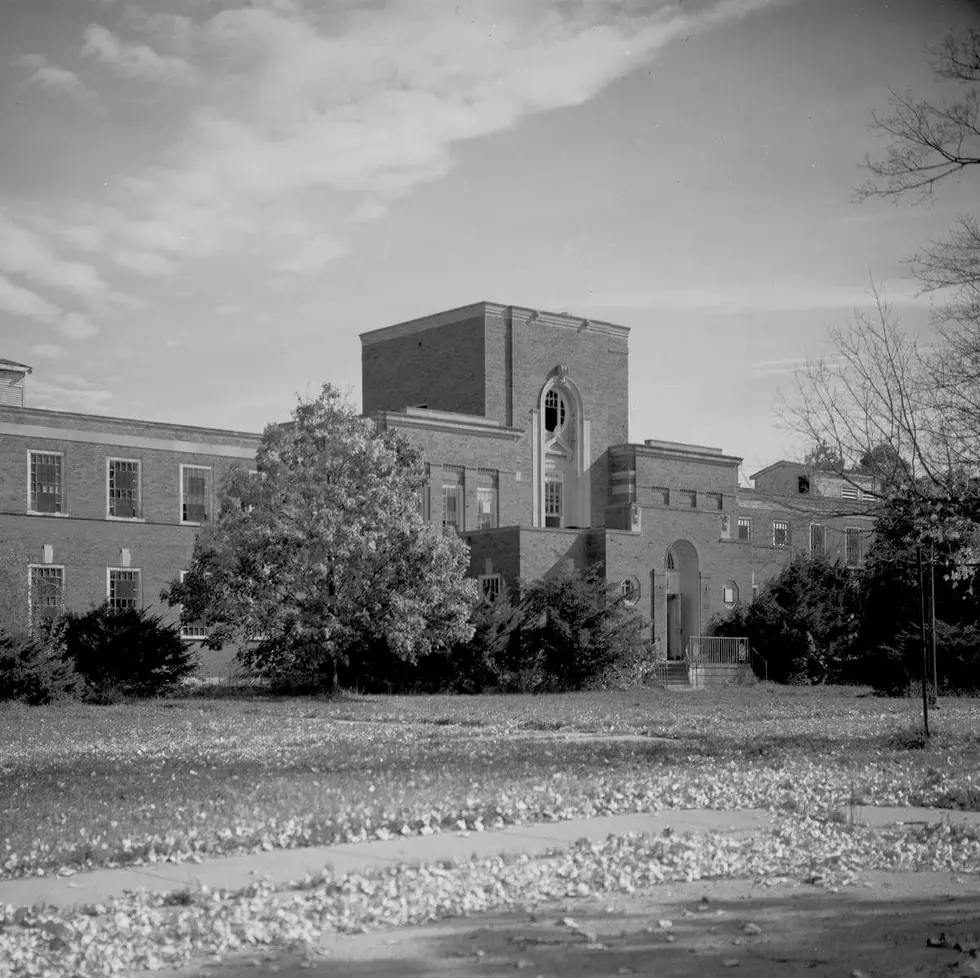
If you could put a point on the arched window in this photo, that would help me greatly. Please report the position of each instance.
(555, 411)
(669, 564)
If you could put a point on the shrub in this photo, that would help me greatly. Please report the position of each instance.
(123, 652)
(33, 672)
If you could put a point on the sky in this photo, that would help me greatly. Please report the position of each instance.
(204, 202)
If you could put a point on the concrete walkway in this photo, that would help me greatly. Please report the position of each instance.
(284, 866)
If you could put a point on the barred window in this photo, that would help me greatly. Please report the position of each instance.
(852, 547)
(124, 589)
(780, 533)
(744, 528)
(490, 586)
(818, 537)
(124, 488)
(195, 493)
(46, 482)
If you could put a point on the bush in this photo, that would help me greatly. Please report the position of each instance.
(123, 653)
(33, 672)
(805, 622)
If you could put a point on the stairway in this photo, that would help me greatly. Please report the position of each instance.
(674, 675)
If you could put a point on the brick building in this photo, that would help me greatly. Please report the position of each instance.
(522, 416)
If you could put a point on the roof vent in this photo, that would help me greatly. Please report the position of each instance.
(12, 376)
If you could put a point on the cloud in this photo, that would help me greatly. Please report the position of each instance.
(22, 252)
(77, 326)
(369, 210)
(22, 302)
(717, 298)
(54, 78)
(47, 351)
(133, 60)
(144, 262)
(67, 395)
(312, 256)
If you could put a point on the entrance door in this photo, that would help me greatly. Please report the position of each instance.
(675, 632)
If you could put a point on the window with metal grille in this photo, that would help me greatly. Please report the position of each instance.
(780, 533)
(195, 492)
(744, 528)
(124, 589)
(491, 586)
(124, 488)
(552, 499)
(852, 547)
(818, 538)
(46, 482)
(46, 597)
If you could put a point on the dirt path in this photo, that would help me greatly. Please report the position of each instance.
(877, 929)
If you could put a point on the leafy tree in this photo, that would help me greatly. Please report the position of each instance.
(576, 626)
(824, 458)
(323, 553)
(123, 651)
(804, 622)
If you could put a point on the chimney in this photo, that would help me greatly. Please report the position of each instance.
(12, 376)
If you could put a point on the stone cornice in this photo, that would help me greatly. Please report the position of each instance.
(419, 420)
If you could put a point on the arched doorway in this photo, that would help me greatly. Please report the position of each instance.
(683, 592)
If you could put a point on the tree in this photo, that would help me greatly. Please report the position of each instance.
(908, 414)
(823, 458)
(323, 551)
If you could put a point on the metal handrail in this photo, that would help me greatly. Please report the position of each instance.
(717, 649)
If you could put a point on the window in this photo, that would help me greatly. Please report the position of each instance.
(552, 498)
(726, 527)
(803, 485)
(195, 493)
(715, 500)
(852, 547)
(452, 499)
(490, 586)
(744, 528)
(629, 591)
(850, 492)
(46, 482)
(124, 589)
(755, 592)
(486, 500)
(818, 539)
(123, 489)
(194, 632)
(729, 594)
(555, 411)
(780, 533)
(689, 497)
(46, 596)
(661, 494)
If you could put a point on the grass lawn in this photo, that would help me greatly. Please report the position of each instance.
(179, 779)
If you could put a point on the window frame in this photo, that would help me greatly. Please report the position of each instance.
(784, 525)
(493, 512)
(109, 515)
(62, 483)
(554, 478)
(184, 629)
(629, 591)
(30, 591)
(457, 490)
(207, 498)
(138, 571)
(718, 498)
(823, 539)
(729, 586)
(664, 494)
(491, 587)
(856, 530)
(746, 523)
(691, 502)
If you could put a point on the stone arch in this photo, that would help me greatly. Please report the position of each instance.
(682, 568)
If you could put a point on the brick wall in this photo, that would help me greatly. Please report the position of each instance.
(442, 367)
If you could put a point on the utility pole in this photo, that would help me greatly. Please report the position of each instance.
(932, 625)
(925, 652)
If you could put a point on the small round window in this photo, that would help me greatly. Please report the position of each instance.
(629, 590)
(554, 411)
